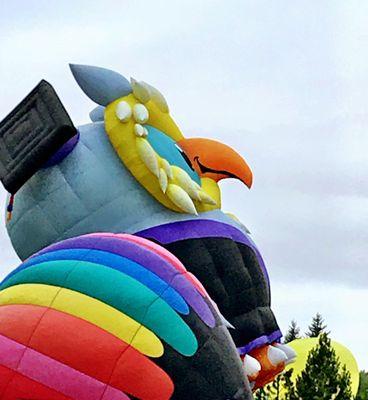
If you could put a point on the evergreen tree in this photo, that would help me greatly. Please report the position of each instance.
(345, 392)
(321, 379)
(363, 386)
(316, 327)
(281, 388)
(261, 394)
(288, 384)
(292, 333)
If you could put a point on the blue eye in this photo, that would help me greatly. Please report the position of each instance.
(167, 148)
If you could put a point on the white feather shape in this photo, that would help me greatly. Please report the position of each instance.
(141, 91)
(147, 155)
(166, 166)
(206, 199)
(186, 182)
(123, 111)
(140, 113)
(158, 98)
(140, 130)
(180, 198)
(162, 179)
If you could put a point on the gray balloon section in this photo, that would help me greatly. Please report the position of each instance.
(89, 191)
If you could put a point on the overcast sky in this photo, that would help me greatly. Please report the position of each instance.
(285, 83)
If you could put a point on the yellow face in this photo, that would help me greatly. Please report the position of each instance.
(128, 123)
(180, 173)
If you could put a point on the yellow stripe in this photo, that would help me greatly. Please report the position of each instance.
(89, 309)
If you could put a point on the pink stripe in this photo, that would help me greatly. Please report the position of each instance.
(55, 374)
(165, 254)
(10, 352)
(114, 394)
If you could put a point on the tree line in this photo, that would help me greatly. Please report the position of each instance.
(323, 378)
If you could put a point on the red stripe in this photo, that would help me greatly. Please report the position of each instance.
(22, 387)
(53, 374)
(86, 348)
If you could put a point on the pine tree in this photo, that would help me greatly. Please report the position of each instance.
(261, 394)
(292, 333)
(281, 388)
(316, 327)
(289, 386)
(345, 385)
(363, 386)
(321, 378)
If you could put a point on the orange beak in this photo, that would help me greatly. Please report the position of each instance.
(212, 159)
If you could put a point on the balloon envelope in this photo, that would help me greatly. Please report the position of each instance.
(304, 346)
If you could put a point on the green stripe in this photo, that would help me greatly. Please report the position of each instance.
(119, 291)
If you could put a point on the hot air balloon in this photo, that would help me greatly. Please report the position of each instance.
(112, 316)
(302, 347)
(132, 171)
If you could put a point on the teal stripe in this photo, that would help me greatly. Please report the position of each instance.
(117, 290)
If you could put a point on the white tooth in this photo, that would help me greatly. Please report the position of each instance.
(140, 130)
(141, 90)
(181, 199)
(140, 113)
(166, 166)
(147, 155)
(123, 111)
(252, 367)
(162, 179)
(206, 199)
(290, 352)
(276, 356)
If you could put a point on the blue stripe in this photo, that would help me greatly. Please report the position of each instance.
(119, 263)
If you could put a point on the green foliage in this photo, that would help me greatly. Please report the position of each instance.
(321, 379)
(292, 333)
(289, 386)
(344, 391)
(316, 327)
(363, 386)
(262, 394)
(281, 388)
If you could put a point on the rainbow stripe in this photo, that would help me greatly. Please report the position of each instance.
(84, 317)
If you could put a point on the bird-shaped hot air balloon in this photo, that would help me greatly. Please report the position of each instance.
(132, 171)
